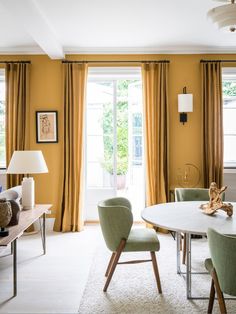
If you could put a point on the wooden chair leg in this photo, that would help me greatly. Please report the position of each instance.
(110, 263)
(220, 295)
(184, 250)
(156, 272)
(115, 261)
(211, 298)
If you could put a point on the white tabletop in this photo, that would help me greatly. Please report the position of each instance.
(187, 217)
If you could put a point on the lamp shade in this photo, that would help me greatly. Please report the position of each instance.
(26, 162)
(224, 16)
(185, 103)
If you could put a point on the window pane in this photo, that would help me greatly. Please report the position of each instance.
(2, 120)
(229, 121)
(229, 148)
(229, 118)
(137, 150)
(94, 174)
(229, 86)
(99, 143)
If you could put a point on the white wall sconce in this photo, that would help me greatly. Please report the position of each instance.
(185, 104)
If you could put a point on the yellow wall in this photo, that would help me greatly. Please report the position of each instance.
(46, 94)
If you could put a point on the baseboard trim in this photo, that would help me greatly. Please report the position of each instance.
(91, 222)
(87, 222)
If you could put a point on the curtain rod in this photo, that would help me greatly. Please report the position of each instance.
(116, 61)
(202, 61)
(15, 61)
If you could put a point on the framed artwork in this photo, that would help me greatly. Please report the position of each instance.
(46, 127)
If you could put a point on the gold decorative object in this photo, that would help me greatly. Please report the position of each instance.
(216, 202)
(188, 176)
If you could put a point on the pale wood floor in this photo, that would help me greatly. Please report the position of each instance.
(53, 283)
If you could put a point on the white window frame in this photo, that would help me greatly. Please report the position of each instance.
(229, 73)
(3, 78)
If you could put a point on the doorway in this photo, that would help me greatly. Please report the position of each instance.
(114, 138)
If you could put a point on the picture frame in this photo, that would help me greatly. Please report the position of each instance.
(46, 126)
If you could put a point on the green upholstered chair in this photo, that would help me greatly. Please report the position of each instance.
(193, 194)
(187, 194)
(222, 267)
(116, 220)
(190, 194)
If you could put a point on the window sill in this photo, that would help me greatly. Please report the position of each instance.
(230, 170)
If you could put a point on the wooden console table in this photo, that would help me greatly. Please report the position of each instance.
(27, 217)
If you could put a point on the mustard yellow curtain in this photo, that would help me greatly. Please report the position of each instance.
(155, 91)
(17, 113)
(69, 215)
(211, 78)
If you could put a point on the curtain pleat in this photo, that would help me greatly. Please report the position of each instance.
(212, 103)
(69, 215)
(156, 123)
(17, 113)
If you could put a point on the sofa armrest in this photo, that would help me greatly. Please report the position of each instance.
(14, 193)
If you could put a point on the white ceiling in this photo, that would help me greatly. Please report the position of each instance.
(57, 27)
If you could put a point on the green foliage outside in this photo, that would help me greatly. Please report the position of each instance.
(122, 130)
(229, 88)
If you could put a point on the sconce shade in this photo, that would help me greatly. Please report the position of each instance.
(185, 103)
(27, 162)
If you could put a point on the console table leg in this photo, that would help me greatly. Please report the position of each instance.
(44, 233)
(14, 249)
(178, 252)
(188, 266)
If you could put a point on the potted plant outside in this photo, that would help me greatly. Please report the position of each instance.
(121, 171)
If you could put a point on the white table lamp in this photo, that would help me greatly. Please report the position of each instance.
(27, 162)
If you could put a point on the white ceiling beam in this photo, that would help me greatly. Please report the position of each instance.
(29, 14)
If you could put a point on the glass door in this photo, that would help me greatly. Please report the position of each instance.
(114, 139)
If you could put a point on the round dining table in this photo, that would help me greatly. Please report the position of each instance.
(188, 218)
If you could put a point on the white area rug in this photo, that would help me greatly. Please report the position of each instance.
(133, 287)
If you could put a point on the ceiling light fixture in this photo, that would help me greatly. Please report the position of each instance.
(224, 16)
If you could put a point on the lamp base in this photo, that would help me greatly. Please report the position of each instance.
(28, 193)
(183, 117)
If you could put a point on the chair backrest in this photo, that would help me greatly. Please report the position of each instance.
(223, 255)
(193, 194)
(187, 194)
(116, 220)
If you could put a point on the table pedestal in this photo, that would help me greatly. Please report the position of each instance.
(189, 272)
